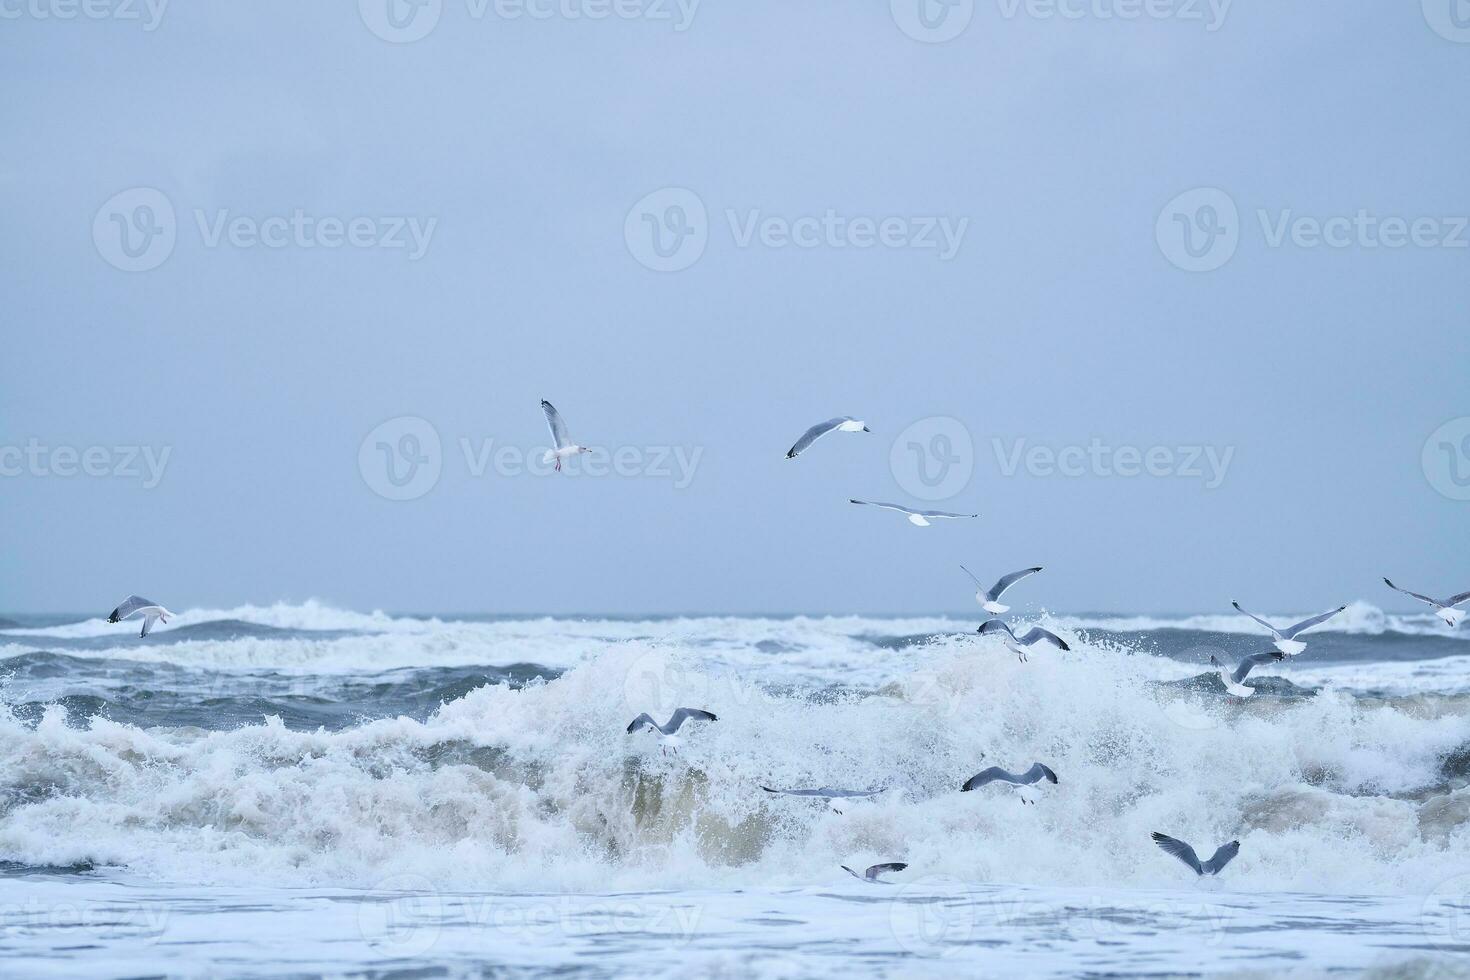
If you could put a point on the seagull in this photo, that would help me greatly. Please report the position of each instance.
(666, 732)
(562, 446)
(134, 606)
(1286, 640)
(990, 601)
(1022, 783)
(918, 518)
(1186, 854)
(1444, 610)
(1030, 638)
(844, 424)
(1235, 683)
(871, 875)
(828, 794)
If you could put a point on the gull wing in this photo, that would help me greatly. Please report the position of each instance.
(1422, 598)
(878, 503)
(1006, 581)
(559, 437)
(814, 433)
(1036, 633)
(986, 776)
(1455, 600)
(643, 719)
(688, 714)
(1244, 668)
(879, 869)
(1037, 773)
(1307, 624)
(942, 514)
(1274, 631)
(129, 607)
(825, 792)
(1179, 849)
(992, 626)
(1222, 857)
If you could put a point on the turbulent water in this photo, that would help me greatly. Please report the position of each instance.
(303, 789)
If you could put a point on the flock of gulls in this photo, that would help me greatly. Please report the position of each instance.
(1285, 643)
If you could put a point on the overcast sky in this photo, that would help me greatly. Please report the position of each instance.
(243, 246)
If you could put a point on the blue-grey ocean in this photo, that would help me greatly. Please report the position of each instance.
(305, 790)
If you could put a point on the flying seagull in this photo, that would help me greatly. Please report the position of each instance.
(1022, 783)
(1186, 854)
(1444, 610)
(844, 424)
(871, 875)
(918, 518)
(828, 794)
(1235, 683)
(562, 446)
(1286, 640)
(990, 600)
(1019, 644)
(666, 736)
(134, 606)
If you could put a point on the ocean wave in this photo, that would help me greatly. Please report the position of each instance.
(1359, 618)
(540, 788)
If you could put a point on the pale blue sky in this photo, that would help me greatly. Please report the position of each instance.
(1060, 319)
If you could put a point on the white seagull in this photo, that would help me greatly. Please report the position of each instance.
(562, 446)
(1022, 783)
(134, 606)
(1444, 610)
(990, 599)
(1235, 682)
(1286, 640)
(844, 424)
(666, 736)
(871, 875)
(1185, 853)
(1019, 644)
(918, 518)
(827, 794)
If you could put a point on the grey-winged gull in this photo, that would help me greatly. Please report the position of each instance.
(667, 739)
(1022, 783)
(918, 518)
(1185, 853)
(1235, 682)
(1286, 640)
(989, 599)
(845, 423)
(134, 606)
(872, 874)
(1019, 644)
(1444, 610)
(562, 446)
